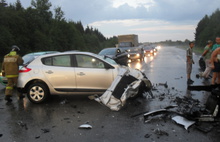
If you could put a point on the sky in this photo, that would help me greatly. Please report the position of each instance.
(151, 20)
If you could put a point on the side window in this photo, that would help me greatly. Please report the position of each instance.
(85, 61)
(62, 61)
(47, 61)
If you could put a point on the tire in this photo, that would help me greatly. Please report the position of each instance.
(37, 93)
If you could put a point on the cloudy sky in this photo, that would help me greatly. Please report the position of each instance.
(151, 20)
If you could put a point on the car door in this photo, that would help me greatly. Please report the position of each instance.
(59, 72)
(91, 74)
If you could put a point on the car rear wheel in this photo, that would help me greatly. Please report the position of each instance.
(37, 93)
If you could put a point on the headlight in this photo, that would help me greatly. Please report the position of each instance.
(128, 55)
(138, 55)
(151, 51)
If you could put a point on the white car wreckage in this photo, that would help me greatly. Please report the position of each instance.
(129, 83)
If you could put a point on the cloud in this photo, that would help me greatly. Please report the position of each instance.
(151, 30)
(151, 19)
(133, 3)
(89, 11)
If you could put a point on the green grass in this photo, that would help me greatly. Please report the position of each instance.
(197, 50)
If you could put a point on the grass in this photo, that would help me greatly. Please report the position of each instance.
(197, 50)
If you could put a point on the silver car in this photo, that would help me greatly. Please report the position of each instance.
(70, 72)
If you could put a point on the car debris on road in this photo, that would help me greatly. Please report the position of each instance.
(185, 110)
(85, 126)
(129, 83)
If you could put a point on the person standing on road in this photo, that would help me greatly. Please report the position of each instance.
(10, 69)
(215, 62)
(207, 56)
(189, 62)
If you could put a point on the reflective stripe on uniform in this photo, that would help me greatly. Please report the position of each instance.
(9, 87)
(11, 76)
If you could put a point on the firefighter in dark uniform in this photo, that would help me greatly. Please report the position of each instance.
(10, 69)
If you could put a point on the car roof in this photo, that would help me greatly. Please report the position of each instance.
(70, 52)
(41, 53)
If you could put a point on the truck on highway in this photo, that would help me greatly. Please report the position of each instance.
(130, 40)
(129, 43)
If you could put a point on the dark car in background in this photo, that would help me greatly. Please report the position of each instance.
(134, 53)
(149, 51)
(119, 56)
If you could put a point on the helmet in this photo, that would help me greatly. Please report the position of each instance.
(15, 48)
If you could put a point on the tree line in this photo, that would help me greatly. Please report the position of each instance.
(36, 28)
(208, 28)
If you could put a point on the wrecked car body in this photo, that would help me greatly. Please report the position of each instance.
(129, 83)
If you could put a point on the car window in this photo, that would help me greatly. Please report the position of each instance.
(62, 61)
(86, 61)
(108, 51)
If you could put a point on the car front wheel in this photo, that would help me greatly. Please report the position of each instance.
(37, 93)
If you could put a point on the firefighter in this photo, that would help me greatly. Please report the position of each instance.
(10, 69)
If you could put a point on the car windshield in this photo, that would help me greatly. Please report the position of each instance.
(147, 48)
(108, 51)
(109, 60)
(124, 49)
(130, 49)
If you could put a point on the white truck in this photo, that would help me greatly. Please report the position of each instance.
(130, 40)
(129, 44)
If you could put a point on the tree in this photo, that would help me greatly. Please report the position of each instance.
(208, 28)
(59, 14)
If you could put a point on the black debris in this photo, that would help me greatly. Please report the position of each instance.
(23, 125)
(64, 102)
(1, 135)
(66, 118)
(190, 108)
(74, 106)
(37, 137)
(205, 127)
(80, 112)
(164, 84)
(45, 130)
(160, 132)
(147, 135)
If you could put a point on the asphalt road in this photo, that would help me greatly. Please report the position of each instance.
(58, 119)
